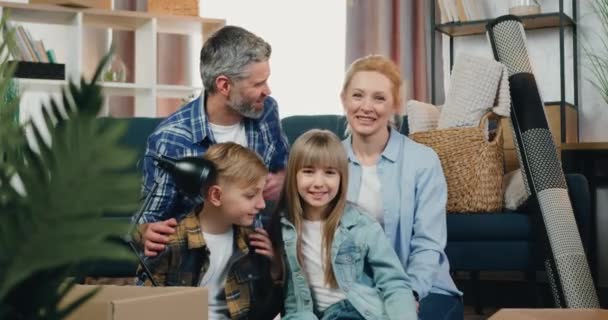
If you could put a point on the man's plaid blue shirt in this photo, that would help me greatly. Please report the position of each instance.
(187, 133)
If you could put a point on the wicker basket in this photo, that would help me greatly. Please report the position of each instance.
(473, 167)
(180, 8)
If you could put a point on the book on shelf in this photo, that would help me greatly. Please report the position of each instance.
(462, 15)
(451, 12)
(21, 40)
(477, 9)
(27, 49)
(50, 53)
(32, 45)
(39, 46)
(460, 10)
(468, 8)
(443, 12)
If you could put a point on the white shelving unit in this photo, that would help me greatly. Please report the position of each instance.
(145, 89)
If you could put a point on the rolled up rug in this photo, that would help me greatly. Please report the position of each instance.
(566, 263)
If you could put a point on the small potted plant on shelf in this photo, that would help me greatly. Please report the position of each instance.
(55, 187)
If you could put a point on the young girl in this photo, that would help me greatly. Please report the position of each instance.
(339, 264)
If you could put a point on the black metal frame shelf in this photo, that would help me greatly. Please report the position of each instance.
(552, 103)
(531, 22)
(557, 19)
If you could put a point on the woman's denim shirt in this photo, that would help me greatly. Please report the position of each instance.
(366, 269)
(414, 196)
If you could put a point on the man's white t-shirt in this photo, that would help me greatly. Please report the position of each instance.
(220, 247)
(323, 295)
(234, 133)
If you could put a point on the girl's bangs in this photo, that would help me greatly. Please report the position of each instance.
(321, 154)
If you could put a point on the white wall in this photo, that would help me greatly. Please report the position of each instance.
(543, 47)
(308, 48)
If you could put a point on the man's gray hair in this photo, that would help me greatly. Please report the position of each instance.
(227, 52)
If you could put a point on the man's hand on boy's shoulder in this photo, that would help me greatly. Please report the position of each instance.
(156, 236)
(274, 185)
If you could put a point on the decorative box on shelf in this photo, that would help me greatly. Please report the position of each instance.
(39, 70)
(180, 8)
(101, 4)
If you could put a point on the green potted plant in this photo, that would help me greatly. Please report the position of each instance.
(598, 57)
(54, 194)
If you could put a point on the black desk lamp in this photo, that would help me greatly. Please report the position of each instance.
(190, 175)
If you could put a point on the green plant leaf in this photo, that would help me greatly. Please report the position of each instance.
(598, 56)
(56, 223)
(64, 312)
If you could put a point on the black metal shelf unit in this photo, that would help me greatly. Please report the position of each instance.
(538, 21)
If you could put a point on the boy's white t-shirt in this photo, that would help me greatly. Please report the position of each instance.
(370, 196)
(234, 133)
(323, 295)
(220, 248)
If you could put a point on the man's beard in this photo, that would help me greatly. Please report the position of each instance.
(247, 110)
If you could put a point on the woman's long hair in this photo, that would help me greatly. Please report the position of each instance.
(316, 148)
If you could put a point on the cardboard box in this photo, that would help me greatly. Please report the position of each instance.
(101, 4)
(550, 314)
(131, 302)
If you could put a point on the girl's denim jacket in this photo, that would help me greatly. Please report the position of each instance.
(366, 267)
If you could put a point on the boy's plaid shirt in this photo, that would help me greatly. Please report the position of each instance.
(186, 260)
(188, 133)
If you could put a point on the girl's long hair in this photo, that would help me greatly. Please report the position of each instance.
(322, 149)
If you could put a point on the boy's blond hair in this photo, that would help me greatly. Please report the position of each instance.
(235, 164)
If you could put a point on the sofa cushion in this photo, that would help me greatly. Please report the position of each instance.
(294, 126)
(138, 130)
(492, 255)
(504, 226)
(514, 188)
(474, 87)
(422, 116)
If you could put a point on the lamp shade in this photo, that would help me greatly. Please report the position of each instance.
(190, 174)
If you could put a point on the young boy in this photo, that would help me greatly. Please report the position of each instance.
(211, 245)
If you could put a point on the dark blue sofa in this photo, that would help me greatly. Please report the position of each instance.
(496, 241)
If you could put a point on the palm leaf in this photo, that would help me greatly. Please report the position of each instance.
(64, 312)
(598, 57)
(57, 222)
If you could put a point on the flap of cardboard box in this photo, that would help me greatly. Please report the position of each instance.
(130, 302)
(553, 314)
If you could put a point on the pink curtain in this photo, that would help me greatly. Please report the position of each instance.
(399, 29)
